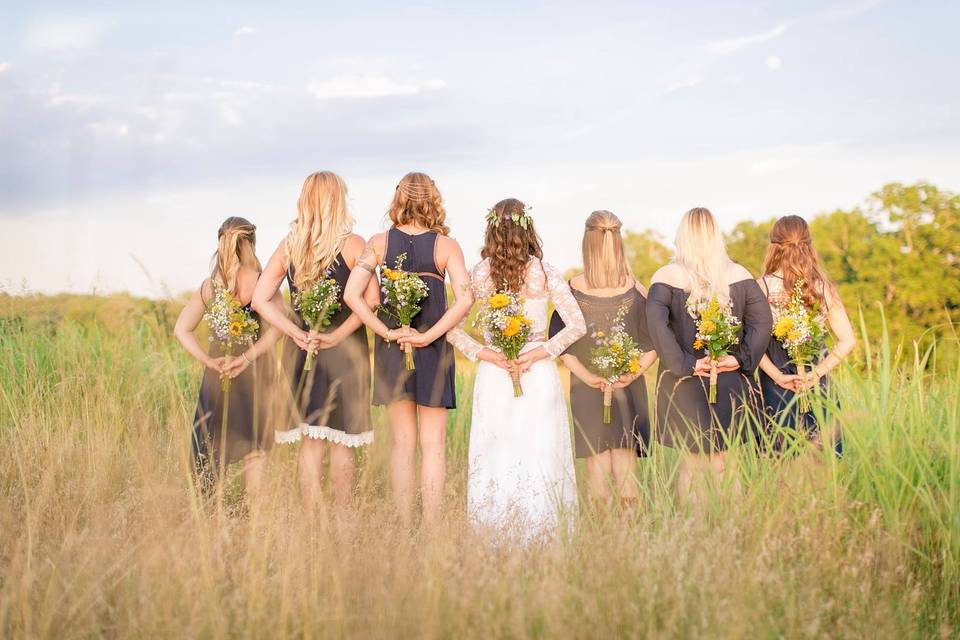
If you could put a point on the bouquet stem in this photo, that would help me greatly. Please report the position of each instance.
(713, 382)
(308, 364)
(225, 379)
(408, 362)
(803, 401)
(517, 389)
(607, 404)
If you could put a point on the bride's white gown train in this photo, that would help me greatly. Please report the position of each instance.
(521, 478)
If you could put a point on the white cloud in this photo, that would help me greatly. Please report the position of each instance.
(109, 128)
(369, 86)
(62, 34)
(774, 63)
(245, 31)
(724, 47)
(4, 66)
(57, 98)
(684, 84)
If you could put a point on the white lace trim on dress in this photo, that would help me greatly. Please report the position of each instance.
(319, 432)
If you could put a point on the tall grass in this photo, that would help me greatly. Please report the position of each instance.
(102, 534)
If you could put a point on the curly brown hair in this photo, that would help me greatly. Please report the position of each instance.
(791, 253)
(510, 245)
(417, 201)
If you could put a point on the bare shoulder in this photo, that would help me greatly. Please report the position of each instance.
(737, 273)
(374, 249)
(206, 290)
(578, 282)
(246, 283)
(639, 287)
(670, 274)
(353, 246)
(447, 246)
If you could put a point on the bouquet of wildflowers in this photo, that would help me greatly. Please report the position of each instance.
(316, 305)
(403, 292)
(502, 321)
(231, 326)
(801, 331)
(716, 332)
(616, 353)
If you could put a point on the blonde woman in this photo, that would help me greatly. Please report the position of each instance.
(702, 270)
(418, 231)
(605, 289)
(332, 399)
(235, 268)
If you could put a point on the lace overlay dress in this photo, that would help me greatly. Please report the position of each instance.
(521, 477)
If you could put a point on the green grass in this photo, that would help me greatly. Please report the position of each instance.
(102, 534)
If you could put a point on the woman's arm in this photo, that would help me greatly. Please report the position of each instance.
(842, 329)
(352, 249)
(788, 382)
(585, 375)
(674, 358)
(187, 322)
(574, 325)
(355, 294)
(757, 328)
(452, 257)
(268, 303)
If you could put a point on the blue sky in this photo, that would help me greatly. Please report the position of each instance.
(128, 131)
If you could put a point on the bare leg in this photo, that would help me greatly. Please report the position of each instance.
(341, 473)
(312, 454)
(599, 476)
(402, 415)
(690, 480)
(254, 473)
(433, 470)
(623, 464)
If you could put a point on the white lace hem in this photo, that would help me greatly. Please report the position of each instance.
(319, 432)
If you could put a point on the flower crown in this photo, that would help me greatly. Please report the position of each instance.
(523, 218)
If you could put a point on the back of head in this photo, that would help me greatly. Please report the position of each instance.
(791, 254)
(417, 201)
(323, 222)
(509, 242)
(604, 259)
(702, 254)
(236, 247)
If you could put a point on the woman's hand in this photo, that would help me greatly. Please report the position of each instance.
(592, 380)
(235, 366)
(417, 339)
(215, 364)
(625, 380)
(301, 338)
(810, 381)
(528, 358)
(723, 364)
(494, 357)
(320, 341)
(789, 382)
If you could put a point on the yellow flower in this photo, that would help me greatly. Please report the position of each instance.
(499, 301)
(698, 344)
(794, 335)
(236, 329)
(634, 366)
(783, 326)
(513, 326)
(235, 304)
(708, 326)
(601, 334)
(392, 274)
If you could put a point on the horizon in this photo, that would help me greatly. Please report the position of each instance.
(130, 133)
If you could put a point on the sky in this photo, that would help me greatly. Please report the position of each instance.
(128, 132)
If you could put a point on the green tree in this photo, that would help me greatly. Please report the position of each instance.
(646, 253)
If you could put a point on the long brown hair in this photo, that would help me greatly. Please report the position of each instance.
(417, 201)
(323, 222)
(604, 260)
(236, 247)
(509, 244)
(791, 252)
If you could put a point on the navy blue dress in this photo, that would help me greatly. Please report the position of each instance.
(685, 418)
(332, 400)
(431, 384)
(629, 427)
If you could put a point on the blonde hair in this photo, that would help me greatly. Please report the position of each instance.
(604, 259)
(236, 247)
(417, 201)
(322, 224)
(702, 254)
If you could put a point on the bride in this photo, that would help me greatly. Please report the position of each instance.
(521, 476)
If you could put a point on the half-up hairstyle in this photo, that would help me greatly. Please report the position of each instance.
(323, 223)
(509, 243)
(417, 201)
(791, 254)
(604, 261)
(702, 254)
(236, 247)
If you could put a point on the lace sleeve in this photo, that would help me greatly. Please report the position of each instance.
(458, 336)
(565, 305)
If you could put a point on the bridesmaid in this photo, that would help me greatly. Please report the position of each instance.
(790, 257)
(418, 230)
(235, 268)
(332, 399)
(702, 270)
(607, 285)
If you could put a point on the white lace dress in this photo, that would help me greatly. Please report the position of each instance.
(521, 478)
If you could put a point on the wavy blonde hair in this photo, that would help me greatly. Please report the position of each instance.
(702, 254)
(604, 259)
(236, 247)
(323, 223)
(417, 201)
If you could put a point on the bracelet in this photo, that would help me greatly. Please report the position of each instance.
(244, 356)
(386, 336)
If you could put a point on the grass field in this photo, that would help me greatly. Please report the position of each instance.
(102, 534)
